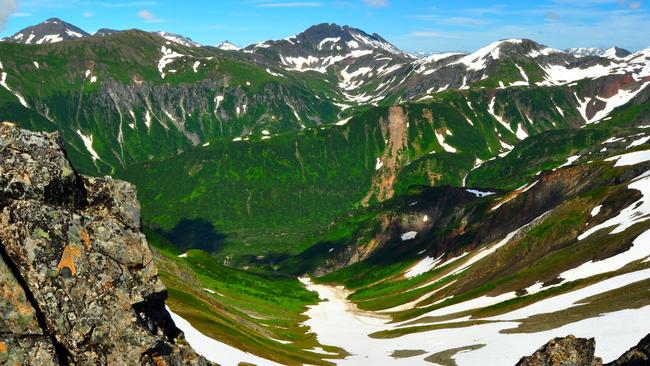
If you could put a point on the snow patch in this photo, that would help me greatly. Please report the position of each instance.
(409, 235)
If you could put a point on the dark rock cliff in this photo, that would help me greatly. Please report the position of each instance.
(77, 281)
(572, 351)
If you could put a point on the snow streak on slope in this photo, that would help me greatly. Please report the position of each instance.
(214, 350)
(3, 83)
(168, 56)
(638, 211)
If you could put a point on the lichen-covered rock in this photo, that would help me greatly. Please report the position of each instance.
(77, 280)
(568, 351)
(638, 355)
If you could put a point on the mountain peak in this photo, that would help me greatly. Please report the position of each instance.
(52, 30)
(612, 52)
(177, 38)
(506, 48)
(228, 46)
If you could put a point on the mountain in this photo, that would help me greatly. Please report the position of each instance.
(457, 207)
(105, 32)
(185, 41)
(50, 31)
(613, 52)
(79, 284)
(55, 30)
(228, 46)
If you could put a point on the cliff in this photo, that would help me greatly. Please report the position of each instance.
(78, 284)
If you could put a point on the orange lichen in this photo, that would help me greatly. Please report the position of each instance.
(85, 238)
(3, 347)
(67, 259)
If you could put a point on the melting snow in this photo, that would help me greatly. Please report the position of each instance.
(214, 350)
(88, 143)
(441, 140)
(497, 117)
(478, 193)
(596, 210)
(638, 211)
(423, 266)
(569, 161)
(328, 40)
(378, 164)
(632, 158)
(168, 56)
(640, 250)
(343, 121)
(147, 119)
(638, 142)
(409, 235)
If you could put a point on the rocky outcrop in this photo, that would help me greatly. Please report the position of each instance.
(572, 351)
(77, 281)
(568, 351)
(638, 355)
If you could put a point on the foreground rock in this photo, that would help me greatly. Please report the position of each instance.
(569, 351)
(638, 355)
(572, 351)
(77, 280)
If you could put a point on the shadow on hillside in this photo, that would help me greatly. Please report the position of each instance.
(194, 234)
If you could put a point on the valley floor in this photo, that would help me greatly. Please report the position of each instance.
(336, 321)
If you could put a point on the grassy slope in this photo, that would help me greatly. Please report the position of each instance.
(274, 195)
(248, 311)
(128, 79)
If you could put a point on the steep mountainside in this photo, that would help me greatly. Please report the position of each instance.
(265, 187)
(78, 281)
(133, 96)
(455, 208)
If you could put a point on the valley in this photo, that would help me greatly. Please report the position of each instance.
(328, 198)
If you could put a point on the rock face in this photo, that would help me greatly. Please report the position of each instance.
(77, 280)
(638, 355)
(572, 351)
(569, 351)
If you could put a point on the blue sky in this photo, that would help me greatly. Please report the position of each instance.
(413, 25)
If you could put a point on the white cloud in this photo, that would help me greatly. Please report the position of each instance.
(88, 14)
(7, 7)
(376, 3)
(146, 15)
(149, 17)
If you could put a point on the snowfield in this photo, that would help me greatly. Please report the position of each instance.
(338, 322)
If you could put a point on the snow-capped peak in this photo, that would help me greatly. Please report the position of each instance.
(476, 60)
(52, 30)
(494, 51)
(176, 38)
(611, 53)
(228, 46)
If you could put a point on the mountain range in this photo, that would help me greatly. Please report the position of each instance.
(487, 201)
